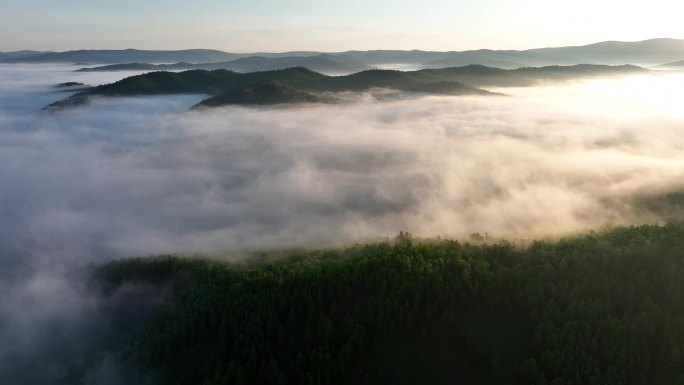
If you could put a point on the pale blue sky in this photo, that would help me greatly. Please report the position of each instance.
(330, 25)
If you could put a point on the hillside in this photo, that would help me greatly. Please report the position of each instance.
(265, 93)
(491, 58)
(448, 81)
(579, 71)
(69, 85)
(601, 308)
(221, 81)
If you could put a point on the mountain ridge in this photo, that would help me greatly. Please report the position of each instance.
(449, 81)
(679, 63)
(320, 63)
(645, 52)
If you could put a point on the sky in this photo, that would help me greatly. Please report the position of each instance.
(331, 25)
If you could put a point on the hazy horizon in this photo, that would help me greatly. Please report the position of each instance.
(295, 49)
(271, 26)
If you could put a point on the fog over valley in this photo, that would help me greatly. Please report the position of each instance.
(140, 175)
(144, 175)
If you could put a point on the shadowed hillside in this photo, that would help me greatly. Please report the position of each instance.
(602, 308)
(222, 81)
(264, 94)
(448, 81)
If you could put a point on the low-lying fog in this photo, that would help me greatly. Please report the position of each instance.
(137, 176)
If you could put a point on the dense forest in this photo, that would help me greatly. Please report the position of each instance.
(602, 308)
(228, 87)
(265, 93)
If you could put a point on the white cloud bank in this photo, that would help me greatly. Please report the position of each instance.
(138, 176)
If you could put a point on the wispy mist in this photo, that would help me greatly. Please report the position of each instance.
(138, 176)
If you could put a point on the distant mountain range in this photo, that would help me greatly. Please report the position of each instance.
(320, 63)
(126, 55)
(19, 55)
(673, 64)
(298, 84)
(95, 56)
(649, 52)
(645, 53)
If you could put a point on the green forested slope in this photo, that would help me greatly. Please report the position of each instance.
(446, 81)
(604, 308)
(265, 93)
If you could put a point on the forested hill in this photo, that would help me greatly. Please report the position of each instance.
(265, 93)
(603, 308)
(448, 81)
(223, 81)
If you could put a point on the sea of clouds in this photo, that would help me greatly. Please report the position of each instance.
(143, 175)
